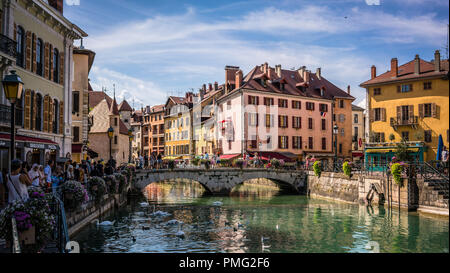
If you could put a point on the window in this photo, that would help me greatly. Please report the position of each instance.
(296, 104)
(310, 143)
(310, 106)
(20, 36)
(39, 57)
(342, 132)
(355, 119)
(115, 139)
(341, 103)
(405, 136)
(379, 137)
(296, 122)
(253, 119)
(253, 100)
(282, 103)
(297, 142)
(323, 107)
(76, 102)
(356, 133)
(426, 85)
(340, 148)
(341, 118)
(283, 121)
(377, 114)
(427, 112)
(268, 101)
(310, 123)
(376, 91)
(38, 112)
(253, 143)
(405, 112)
(269, 120)
(55, 65)
(55, 116)
(404, 88)
(76, 134)
(283, 142)
(324, 124)
(324, 143)
(115, 121)
(427, 135)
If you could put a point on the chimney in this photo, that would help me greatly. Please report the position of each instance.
(417, 64)
(266, 68)
(239, 76)
(56, 4)
(278, 70)
(394, 67)
(216, 86)
(437, 61)
(348, 89)
(230, 76)
(318, 73)
(307, 76)
(204, 88)
(301, 72)
(210, 87)
(373, 72)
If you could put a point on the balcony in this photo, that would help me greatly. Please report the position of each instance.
(8, 46)
(411, 121)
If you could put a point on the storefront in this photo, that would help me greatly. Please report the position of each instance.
(378, 157)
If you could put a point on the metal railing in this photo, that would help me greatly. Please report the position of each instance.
(15, 236)
(412, 120)
(8, 46)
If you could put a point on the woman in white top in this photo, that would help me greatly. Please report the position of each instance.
(34, 175)
(69, 174)
(17, 183)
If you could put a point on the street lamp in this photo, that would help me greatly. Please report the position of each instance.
(13, 87)
(130, 136)
(335, 132)
(110, 135)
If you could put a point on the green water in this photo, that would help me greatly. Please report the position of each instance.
(288, 223)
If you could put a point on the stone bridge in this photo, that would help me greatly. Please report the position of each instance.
(222, 181)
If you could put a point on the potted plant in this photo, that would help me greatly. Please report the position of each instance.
(74, 194)
(317, 168)
(122, 181)
(396, 171)
(97, 188)
(275, 163)
(347, 168)
(196, 161)
(111, 183)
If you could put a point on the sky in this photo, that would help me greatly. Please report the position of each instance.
(152, 49)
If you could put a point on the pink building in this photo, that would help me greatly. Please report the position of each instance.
(277, 113)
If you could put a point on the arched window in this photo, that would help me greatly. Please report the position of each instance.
(20, 36)
(55, 116)
(38, 112)
(55, 65)
(39, 57)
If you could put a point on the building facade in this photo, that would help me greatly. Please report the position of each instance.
(409, 102)
(43, 42)
(358, 139)
(83, 60)
(279, 113)
(156, 143)
(137, 125)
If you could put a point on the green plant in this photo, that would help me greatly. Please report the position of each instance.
(122, 182)
(74, 194)
(111, 182)
(196, 161)
(401, 152)
(317, 168)
(347, 168)
(391, 137)
(97, 188)
(275, 163)
(396, 170)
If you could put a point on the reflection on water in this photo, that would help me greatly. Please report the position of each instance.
(290, 223)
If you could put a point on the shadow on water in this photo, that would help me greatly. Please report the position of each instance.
(258, 213)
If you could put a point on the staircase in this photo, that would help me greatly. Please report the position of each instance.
(435, 193)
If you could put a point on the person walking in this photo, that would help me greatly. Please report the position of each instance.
(17, 183)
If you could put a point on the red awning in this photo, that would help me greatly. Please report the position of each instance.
(270, 155)
(355, 154)
(27, 139)
(229, 156)
(76, 148)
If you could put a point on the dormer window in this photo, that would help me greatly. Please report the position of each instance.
(282, 86)
(322, 92)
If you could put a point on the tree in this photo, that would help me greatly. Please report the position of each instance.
(391, 137)
(402, 152)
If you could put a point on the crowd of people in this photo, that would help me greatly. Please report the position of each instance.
(14, 185)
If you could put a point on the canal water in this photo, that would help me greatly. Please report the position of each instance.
(258, 217)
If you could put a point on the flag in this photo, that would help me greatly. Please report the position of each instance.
(323, 114)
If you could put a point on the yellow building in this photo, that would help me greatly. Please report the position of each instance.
(178, 127)
(408, 102)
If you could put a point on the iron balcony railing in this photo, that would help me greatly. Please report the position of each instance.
(412, 120)
(8, 46)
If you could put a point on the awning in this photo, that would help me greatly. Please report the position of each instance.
(29, 142)
(230, 156)
(392, 150)
(270, 155)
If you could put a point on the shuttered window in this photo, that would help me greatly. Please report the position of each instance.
(310, 143)
(76, 134)
(76, 102)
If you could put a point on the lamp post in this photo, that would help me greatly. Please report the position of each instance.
(110, 135)
(130, 137)
(13, 87)
(335, 132)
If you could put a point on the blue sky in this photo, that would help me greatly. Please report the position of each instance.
(152, 49)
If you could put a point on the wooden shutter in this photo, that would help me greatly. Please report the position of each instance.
(433, 110)
(61, 118)
(46, 105)
(257, 119)
(51, 115)
(34, 67)
(382, 137)
(399, 113)
(399, 89)
(50, 77)
(287, 142)
(420, 110)
(383, 114)
(27, 109)
(33, 114)
(61, 67)
(287, 121)
(411, 112)
(46, 60)
(28, 50)
(257, 100)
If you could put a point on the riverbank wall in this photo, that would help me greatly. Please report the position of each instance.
(414, 195)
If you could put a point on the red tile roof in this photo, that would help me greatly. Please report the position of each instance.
(113, 108)
(406, 72)
(123, 128)
(95, 97)
(124, 106)
(157, 108)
